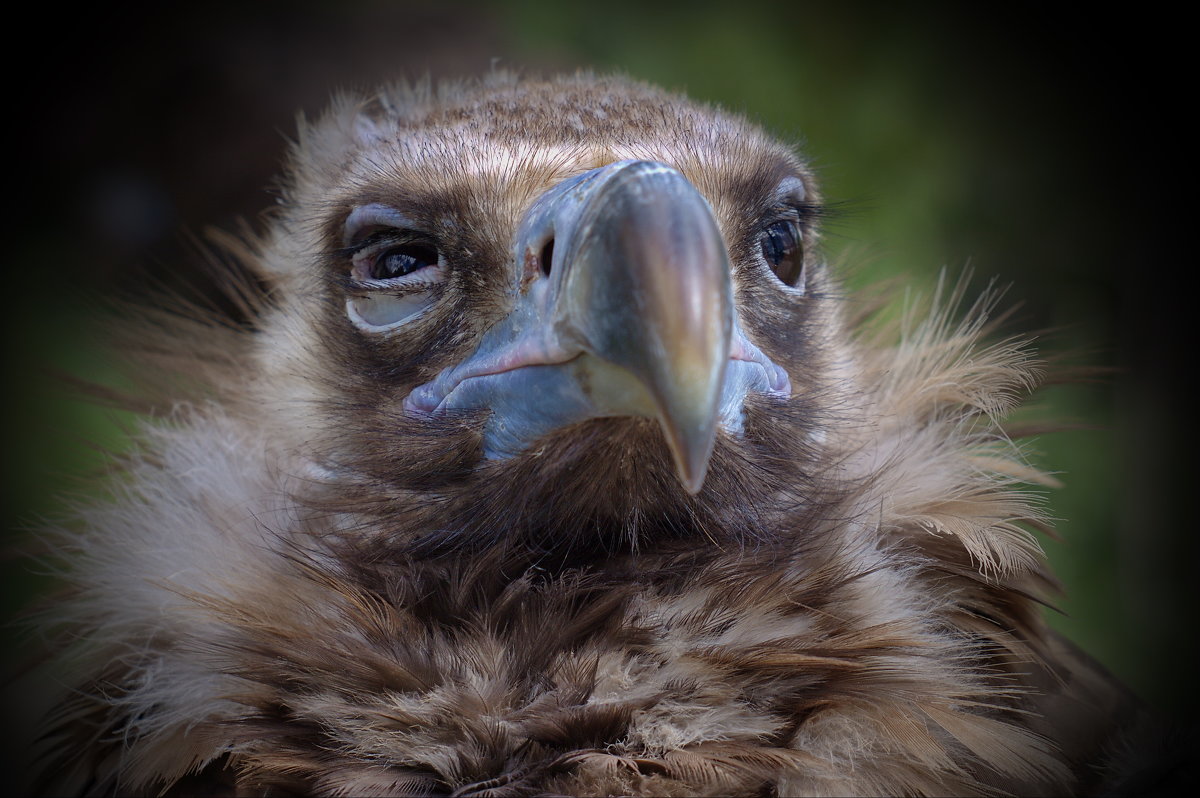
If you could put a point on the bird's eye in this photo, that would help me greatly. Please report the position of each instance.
(402, 260)
(780, 243)
(393, 277)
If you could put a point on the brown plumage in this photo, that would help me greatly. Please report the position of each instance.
(311, 579)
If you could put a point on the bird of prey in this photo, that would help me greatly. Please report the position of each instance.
(554, 460)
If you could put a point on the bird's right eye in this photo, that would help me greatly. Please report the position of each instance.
(402, 260)
(394, 275)
(396, 269)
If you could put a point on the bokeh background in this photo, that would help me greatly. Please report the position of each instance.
(1036, 148)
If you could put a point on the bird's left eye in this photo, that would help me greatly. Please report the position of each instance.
(780, 243)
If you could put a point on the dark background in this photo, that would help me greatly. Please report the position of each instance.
(1040, 149)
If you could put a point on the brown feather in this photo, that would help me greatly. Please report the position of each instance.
(297, 588)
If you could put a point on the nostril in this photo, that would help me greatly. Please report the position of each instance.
(546, 257)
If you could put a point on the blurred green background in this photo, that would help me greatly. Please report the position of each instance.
(1036, 148)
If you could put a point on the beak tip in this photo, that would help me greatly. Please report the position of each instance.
(693, 483)
(691, 455)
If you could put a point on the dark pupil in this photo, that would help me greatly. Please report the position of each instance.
(780, 247)
(399, 261)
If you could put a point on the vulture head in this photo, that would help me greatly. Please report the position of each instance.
(556, 461)
(570, 316)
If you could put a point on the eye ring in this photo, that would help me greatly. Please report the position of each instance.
(393, 269)
(781, 246)
(376, 305)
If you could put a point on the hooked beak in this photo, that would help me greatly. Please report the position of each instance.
(646, 288)
(633, 316)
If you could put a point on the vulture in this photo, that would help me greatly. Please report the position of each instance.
(550, 457)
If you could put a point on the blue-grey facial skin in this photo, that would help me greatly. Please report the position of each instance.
(633, 316)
